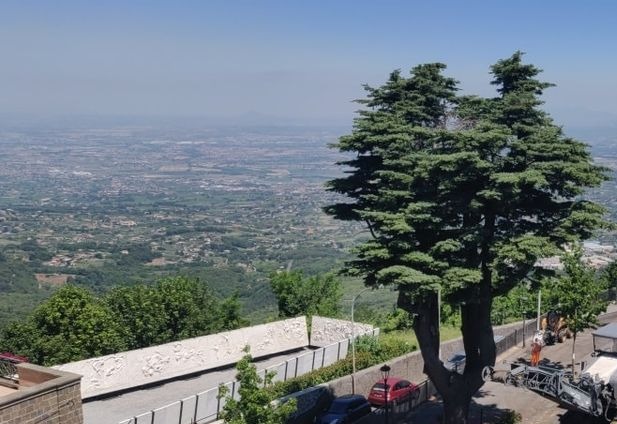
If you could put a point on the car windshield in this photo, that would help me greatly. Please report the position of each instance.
(380, 387)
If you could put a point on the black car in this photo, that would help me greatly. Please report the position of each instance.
(346, 409)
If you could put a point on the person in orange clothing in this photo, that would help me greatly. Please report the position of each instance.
(535, 353)
(536, 348)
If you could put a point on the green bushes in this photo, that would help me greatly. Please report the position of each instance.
(510, 417)
(383, 349)
(369, 351)
(74, 324)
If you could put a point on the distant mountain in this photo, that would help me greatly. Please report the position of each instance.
(251, 119)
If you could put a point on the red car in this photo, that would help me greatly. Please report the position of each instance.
(398, 390)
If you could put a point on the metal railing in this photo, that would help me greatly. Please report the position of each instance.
(8, 370)
(204, 407)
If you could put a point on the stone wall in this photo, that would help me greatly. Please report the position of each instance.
(326, 331)
(124, 370)
(43, 397)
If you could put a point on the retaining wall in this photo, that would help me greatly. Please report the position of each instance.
(411, 366)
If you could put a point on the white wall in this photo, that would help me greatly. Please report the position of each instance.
(325, 331)
(124, 370)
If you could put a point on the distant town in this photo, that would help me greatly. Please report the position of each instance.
(118, 206)
(101, 207)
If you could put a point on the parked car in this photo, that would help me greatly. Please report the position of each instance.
(456, 362)
(346, 409)
(397, 389)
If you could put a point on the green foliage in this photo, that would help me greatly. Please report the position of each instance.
(520, 301)
(137, 309)
(397, 320)
(577, 294)
(450, 315)
(229, 316)
(510, 417)
(69, 326)
(383, 349)
(16, 276)
(72, 324)
(322, 375)
(297, 295)
(173, 309)
(256, 404)
(462, 191)
(609, 275)
(369, 351)
(20, 337)
(35, 252)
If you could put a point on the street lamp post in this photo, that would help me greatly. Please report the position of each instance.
(385, 372)
(539, 307)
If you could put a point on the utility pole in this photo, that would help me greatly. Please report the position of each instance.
(539, 305)
(522, 303)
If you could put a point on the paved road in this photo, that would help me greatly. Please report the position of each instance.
(115, 409)
(494, 397)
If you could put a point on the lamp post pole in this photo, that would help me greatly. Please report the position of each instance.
(539, 307)
(385, 372)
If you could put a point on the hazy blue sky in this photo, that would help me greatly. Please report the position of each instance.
(299, 59)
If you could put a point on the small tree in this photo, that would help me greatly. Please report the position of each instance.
(297, 295)
(174, 308)
(71, 325)
(256, 404)
(577, 294)
(138, 311)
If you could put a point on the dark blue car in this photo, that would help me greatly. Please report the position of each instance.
(346, 409)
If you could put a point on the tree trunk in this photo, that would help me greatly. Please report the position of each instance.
(456, 409)
(455, 389)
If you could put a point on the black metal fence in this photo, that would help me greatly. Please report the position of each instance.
(8, 370)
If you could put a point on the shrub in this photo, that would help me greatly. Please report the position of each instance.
(510, 417)
(369, 351)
